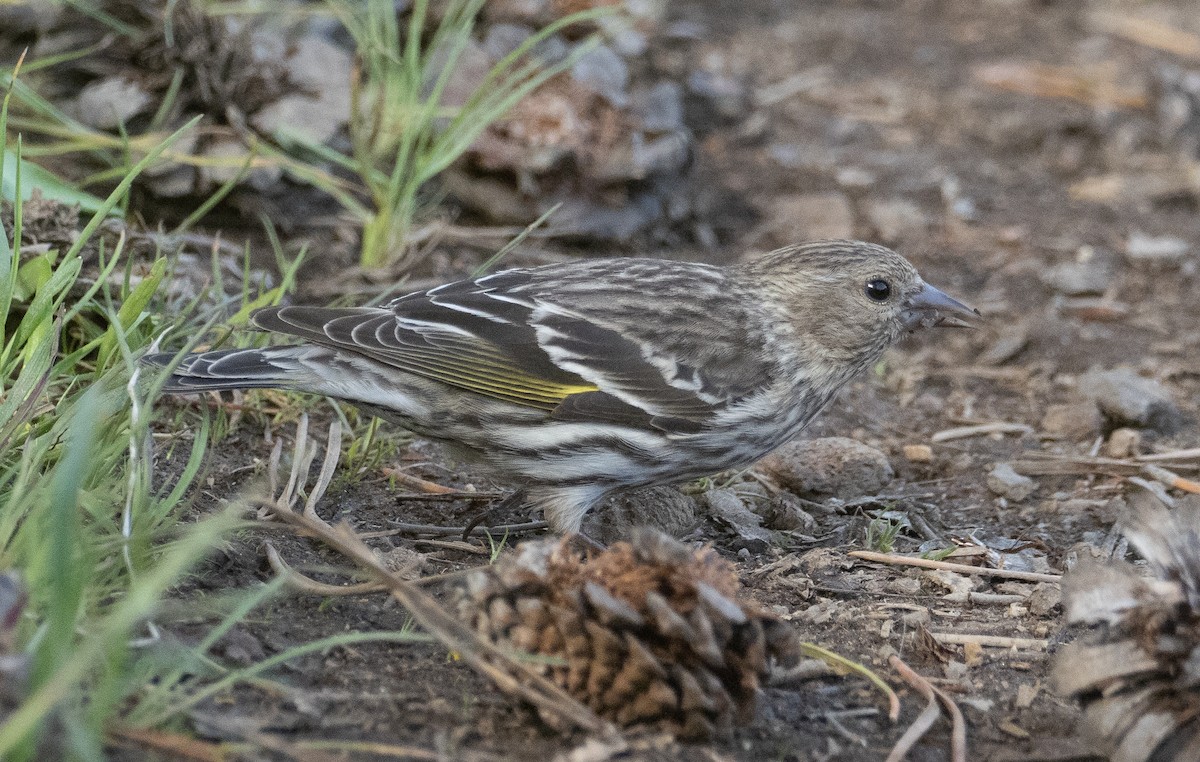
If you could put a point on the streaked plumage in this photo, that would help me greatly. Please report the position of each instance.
(577, 379)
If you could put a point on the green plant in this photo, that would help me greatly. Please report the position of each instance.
(97, 546)
(402, 132)
(882, 534)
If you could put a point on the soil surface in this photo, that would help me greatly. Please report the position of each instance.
(1016, 153)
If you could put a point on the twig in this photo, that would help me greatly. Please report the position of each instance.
(1050, 464)
(417, 483)
(509, 675)
(1193, 452)
(1171, 479)
(995, 599)
(925, 719)
(995, 641)
(928, 563)
(980, 429)
(459, 545)
(446, 497)
(306, 584)
(958, 726)
(1152, 34)
(436, 530)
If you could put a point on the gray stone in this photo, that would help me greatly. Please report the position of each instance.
(322, 72)
(725, 506)
(1090, 272)
(660, 108)
(502, 39)
(1127, 398)
(21, 17)
(1072, 420)
(110, 102)
(836, 466)
(1006, 482)
(663, 508)
(603, 72)
(1145, 248)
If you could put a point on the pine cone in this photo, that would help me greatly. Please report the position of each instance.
(1137, 671)
(646, 633)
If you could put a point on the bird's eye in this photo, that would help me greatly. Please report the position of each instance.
(878, 290)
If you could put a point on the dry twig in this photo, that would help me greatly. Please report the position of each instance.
(928, 563)
(925, 719)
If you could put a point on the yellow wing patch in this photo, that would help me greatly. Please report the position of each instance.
(487, 372)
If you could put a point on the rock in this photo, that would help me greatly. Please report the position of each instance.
(229, 156)
(110, 102)
(1045, 598)
(907, 586)
(663, 508)
(918, 453)
(659, 108)
(809, 217)
(727, 507)
(1144, 248)
(1006, 482)
(321, 72)
(1123, 443)
(726, 96)
(855, 178)
(784, 513)
(1091, 272)
(603, 72)
(22, 17)
(470, 70)
(895, 218)
(1127, 398)
(1074, 420)
(502, 39)
(836, 466)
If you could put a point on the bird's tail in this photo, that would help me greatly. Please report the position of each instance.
(275, 367)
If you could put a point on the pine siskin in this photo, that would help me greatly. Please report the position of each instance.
(582, 378)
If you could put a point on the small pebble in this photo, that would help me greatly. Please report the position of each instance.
(1007, 483)
(1123, 443)
(918, 453)
(1146, 248)
(1127, 398)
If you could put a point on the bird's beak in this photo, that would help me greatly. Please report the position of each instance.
(930, 307)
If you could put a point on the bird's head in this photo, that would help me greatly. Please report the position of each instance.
(853, 299)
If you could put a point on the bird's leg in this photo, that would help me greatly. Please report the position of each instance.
(516, 499)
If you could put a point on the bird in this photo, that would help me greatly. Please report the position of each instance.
(579, 379)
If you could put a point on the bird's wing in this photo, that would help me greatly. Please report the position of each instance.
(502, 337)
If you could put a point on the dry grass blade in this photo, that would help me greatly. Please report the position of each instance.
(333, 451)
(924, 720)
(928, 563)
(307, 584)
(979, 430)
(174, 745)
(958, 726)
(1152, 34)
(509, 675)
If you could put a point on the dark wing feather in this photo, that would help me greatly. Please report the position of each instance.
(555, 338)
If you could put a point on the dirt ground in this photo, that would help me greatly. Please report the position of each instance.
(1011, 150)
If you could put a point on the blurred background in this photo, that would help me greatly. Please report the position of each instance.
(169, 166)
